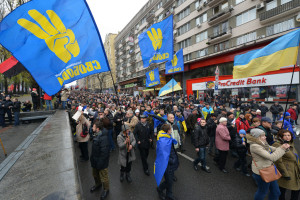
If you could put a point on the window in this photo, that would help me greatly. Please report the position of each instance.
(221, 29)
(221, 46)
(200, 3)
(202, 52)
(184, 43)
(216, 10)
(270, 5)
(246, 38)
(285, 1)
(246, 17)
(160, 17)
(180, 2)
(238, 1)
(183, 13)
(159, 5)
(224, 6)
(183, 29)
(187, 57)
(143, 20)
(201, 36)
(138, 55)
(280, 27)
(201, 19)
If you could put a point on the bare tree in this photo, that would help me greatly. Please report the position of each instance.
(101, 78)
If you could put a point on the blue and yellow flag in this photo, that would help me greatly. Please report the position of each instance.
(177, 64)
(156, 43)
(152, 78)
(171, 86)
(57, 41)
(282, 52)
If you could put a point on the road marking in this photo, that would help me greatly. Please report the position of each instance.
(190, 159)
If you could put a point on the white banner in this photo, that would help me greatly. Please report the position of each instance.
(275, 79)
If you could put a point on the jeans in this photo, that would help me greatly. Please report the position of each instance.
(168, 183)
(144, 155)
(201, 158)
(49, 105)
(212, 145)
(294, 194)
(64, 104)
(110, 137)
(275, 117)
(16, 117)
(264, 188)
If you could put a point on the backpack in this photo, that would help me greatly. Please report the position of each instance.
(85, 130)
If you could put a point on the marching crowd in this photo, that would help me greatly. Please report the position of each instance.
(136, 124)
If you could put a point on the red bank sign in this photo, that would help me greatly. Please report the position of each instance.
(275, 79)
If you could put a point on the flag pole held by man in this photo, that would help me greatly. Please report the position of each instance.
(282, 52)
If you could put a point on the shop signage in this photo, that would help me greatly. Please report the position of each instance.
(276, 79)
(130, 85)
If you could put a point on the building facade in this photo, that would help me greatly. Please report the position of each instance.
(211, 33)
(103, 81)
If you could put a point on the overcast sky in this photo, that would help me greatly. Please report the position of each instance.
(112, 16)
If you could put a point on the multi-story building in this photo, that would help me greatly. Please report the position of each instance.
(106, 84)
(212, 33)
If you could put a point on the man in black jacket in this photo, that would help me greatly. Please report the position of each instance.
(100, 157)
(8, 104)
(2, 113)
(200, 141)
(16, 110)
(143, 133)
(275, 110)
(264, 109)
(211, 132)
(110, 127)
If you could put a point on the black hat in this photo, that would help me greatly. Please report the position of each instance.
(143, 116)
(178, 111)
(229, 113)
(213, 115)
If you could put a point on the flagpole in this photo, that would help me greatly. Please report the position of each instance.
(172, 89)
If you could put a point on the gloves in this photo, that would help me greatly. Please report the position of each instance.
(287, 178)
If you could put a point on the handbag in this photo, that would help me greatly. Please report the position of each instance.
(269, 174)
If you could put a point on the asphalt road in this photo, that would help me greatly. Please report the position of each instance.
(193, 185)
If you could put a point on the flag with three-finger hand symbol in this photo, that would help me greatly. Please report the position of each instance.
(152, 78)
(175, 65)
(57, 41)
(156, 43)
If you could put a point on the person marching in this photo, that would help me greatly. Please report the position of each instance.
(143, 133)
(126, 142)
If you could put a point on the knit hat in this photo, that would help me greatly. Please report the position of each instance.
(242, 131)
(199, 120)
(222, 119)
(258, 111)
(286, 114)
(229, 113)
(125, 127)
(256, 132)
(137, 111)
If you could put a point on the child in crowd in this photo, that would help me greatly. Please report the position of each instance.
(240, 144)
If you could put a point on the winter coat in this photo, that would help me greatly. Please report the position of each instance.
(261, 154)
(186, 113)
(222, 138)
(289, 166)
(81, 121)
(100, 151)
(200, 137)
(16, 106)
(120, 117)
(64, 95)
(254, 106)
(173, 160)
(132, 123)
(111, 118)
(7, 104)
(192, 121)
(264, 110)
(143, 134)
(123, 150)
(211, 127)
(47, 97)
(241, 124)
(35, 97)
(276, 109)
(293, 113)
(238, 144)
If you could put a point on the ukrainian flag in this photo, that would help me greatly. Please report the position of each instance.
(171, 86)
(281, 52)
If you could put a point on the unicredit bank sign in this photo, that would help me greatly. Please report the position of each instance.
(276, 79)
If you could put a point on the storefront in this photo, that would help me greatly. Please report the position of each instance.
(271, 86)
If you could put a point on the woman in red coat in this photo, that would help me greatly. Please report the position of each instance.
(242, 123)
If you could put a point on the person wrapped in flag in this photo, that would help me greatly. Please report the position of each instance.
(166, 162)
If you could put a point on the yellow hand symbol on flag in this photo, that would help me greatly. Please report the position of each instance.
(151, 74)
(156, 38)
(174, 61)
(58, 39)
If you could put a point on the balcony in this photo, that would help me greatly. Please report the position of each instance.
(132, 60)
(280, 11)
(221, 16)
(167, 3)
(150, 17)
(212, 3)
(123, 57)
(220, 36)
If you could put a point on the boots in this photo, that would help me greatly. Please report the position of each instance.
(181, 149)
(128, 178)
(122, 176)
(104, 194)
